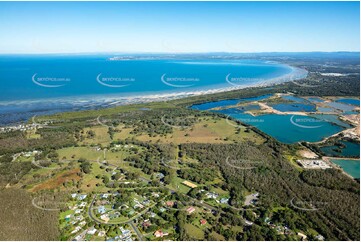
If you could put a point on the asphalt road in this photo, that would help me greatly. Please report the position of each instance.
(139, 234)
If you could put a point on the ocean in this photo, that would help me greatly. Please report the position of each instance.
(45, 84)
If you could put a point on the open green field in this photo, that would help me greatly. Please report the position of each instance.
(208, 130)
(101, 136)
(194, 232)
(176, 184)
(75, 153)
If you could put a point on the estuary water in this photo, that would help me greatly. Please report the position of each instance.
(285, 128)
(352, 167)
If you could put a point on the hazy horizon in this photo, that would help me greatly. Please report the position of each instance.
(178, 27)
(184, 53)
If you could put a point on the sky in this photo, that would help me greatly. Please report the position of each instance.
(79, 27)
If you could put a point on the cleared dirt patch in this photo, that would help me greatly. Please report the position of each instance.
(58, 180)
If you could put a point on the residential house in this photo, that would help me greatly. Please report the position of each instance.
(146, 202)
(105, 195)
(159, 175)
(146, 223)
(82, 196)
(224, 200)
(105, 217)
(190, 210)
(169, 203)
(160, 234)
(212, 195)
(320, 237)
(78, 210)
(101, 209)
(302, 235)
(83, 204)
(76, 230)
(92, 231)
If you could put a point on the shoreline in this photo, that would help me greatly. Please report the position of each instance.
(296, 74)
(93, 102)
(328, 159)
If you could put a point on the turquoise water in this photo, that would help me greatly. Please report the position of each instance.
(332, 118)
(229, 102)
(209, 105)
(352, 167)
(350, 112)
(298, 104)
(322, 109)
(37, 85)
(285, 107)
(78, 75)
(341, 106)
(351, 101)
(315, 99)
(284, 127)
(240, 109)
(294, 98)
(351, 150)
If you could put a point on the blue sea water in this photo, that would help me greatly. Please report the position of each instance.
(49, 83)
(78, 75)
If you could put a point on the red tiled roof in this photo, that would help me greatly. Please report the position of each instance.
(203, 221)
